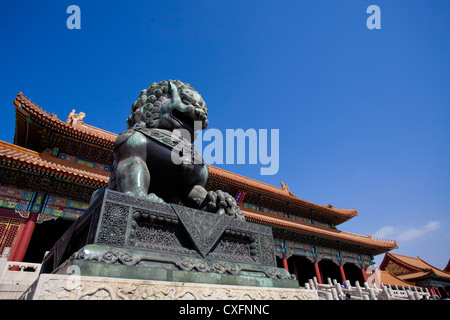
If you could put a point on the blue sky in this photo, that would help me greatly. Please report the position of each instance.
(363, 114)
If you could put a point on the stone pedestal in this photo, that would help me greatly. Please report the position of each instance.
(126, 237)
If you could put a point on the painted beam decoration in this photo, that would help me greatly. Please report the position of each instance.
(293, 248)
(240, 197)
(50, 207)
(81, 161)
(290, 248)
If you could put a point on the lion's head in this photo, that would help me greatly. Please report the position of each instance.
(168, 105)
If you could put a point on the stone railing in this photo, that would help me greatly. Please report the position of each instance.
(20, 271)
(333, 290)
(16, 277)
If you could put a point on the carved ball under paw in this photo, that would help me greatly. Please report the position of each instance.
(150, 196)
(154, 197)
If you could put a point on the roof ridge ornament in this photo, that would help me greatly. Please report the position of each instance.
(285, 188)
(75, 119)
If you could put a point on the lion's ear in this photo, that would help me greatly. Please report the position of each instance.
(171, 87)
(173, 92)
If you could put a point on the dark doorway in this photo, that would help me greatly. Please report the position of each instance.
(353, 273)
(305, 269)
(443, 292)
(279, 261)
(44, 236)
(329, 269)
(447, 291)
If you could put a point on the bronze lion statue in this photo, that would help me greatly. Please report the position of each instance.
(144, 163)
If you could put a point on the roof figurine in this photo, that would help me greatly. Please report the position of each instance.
(75, 119)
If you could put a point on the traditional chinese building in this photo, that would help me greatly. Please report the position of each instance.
(50, 171)
(417, 272)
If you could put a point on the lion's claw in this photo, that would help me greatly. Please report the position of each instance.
(222, 203)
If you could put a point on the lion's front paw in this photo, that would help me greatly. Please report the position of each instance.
(222, 203)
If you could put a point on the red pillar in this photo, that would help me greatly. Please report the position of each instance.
(25, 237)
(318, 276)
(364, 274)
(433, 293)
(285, 264)
(294, 267)
(341, 269)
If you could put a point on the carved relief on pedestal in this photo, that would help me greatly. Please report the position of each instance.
(64, 287)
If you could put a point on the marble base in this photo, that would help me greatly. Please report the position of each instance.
(74, 287)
